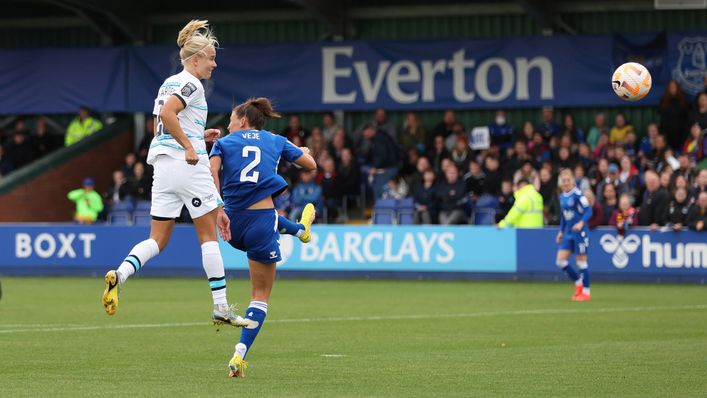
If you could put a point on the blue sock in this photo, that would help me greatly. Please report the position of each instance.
(255, 312)
(567, 269)
(289, 227)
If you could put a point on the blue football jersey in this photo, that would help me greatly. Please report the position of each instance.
(249, 160)
(575, 207)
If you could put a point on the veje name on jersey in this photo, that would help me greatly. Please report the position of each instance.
(251, 135)
(60, 245)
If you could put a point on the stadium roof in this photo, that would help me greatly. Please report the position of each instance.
(129, 21)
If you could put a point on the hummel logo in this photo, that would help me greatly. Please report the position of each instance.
(273, 254)
(250, 314)
(621, 247)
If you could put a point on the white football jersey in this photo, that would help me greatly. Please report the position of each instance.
(192, 118)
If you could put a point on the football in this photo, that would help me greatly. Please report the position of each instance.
(631, 81)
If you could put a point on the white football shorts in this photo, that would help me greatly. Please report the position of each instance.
(176, 183)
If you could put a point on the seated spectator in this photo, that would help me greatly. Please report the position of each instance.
(6, 165)
(665, 178)
(685, 169)
(691, 147)
(597, 217)
(517, 158)
(624, 217)
(315, 143)
(565, 160)
(329, 126)
(474, 179)
(697, 217)
(501, 132)
(409, 163)
(548, 128)
(305, 191)
(43, 141)
(413, 135)
(458, 131)
(628, 176)
(608, 202)
(700, 183)
(451, 198)
(119, 189)
(581, 179)
(630, 145)
(396, 188)
(415, 179)
(337, 144)
(88, 202)
(437, 153)
(699, 114)
(140, 184)
(539, 150)
(461, 155)
(612, 178)
(129, 164)
(294, 129)
(653, 210)
(445, 128)
(383, 161)
(505, 199)
(382, 123)
(81, 127)
(526, 134)
(349, 175)
(571, 129)
(585, 157)
(492, 182)
(548, 185)
(331, 188)
(677, 210)
(647, 145)
(603, 145)
(597, 130)
(528, 172)
(618, 132)
(425, 196)
(19, 149)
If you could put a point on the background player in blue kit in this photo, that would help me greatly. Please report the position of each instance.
(574, 234)
(247, 160)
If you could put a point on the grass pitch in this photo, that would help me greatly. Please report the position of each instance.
(355, 338)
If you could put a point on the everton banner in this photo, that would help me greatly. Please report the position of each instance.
(561, 71)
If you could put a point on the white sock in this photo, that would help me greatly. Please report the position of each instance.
(241, 349)
(299, 233)
(141, 253)
(579, 282)
(585, 290)
(213, 265)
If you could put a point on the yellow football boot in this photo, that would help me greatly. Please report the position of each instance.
(307, 219)
(237, 366)
(110, 295)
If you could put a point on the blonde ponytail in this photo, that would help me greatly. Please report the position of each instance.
(194, 38)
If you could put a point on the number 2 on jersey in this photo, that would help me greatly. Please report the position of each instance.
(248, 168)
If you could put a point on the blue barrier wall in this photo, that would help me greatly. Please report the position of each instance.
(401, 252)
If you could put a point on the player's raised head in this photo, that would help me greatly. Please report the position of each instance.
(567, 182)
(252, 114)
(197, 45)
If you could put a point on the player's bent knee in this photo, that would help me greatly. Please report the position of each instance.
(582, 264)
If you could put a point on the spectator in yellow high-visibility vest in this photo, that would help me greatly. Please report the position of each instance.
(88, 202)
(527, 210)
(81, 127)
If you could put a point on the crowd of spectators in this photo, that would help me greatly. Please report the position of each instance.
(648, 179)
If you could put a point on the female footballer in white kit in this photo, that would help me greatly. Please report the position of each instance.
(181, 171)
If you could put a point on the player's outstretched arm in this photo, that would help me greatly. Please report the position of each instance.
(306, 161)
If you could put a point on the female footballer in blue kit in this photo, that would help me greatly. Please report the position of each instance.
(247, 160)
(574, 234)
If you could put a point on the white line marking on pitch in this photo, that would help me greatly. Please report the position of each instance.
(333, 355)
(65, 328)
